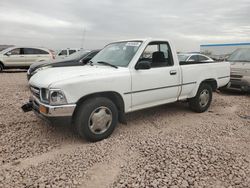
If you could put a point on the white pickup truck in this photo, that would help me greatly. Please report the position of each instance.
(124, 77)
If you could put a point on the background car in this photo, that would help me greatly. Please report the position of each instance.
(76, 59)
(67, 52)
(240, 69)
(193, 58)
(23, 57)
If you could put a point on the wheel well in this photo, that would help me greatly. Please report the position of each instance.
(116, 98)
(212, 83)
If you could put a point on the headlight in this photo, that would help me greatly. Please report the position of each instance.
(57, 97)
(53, 96)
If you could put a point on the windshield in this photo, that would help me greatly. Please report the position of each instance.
(3, 51)
(182, 57)
(240, 55)
(118, 54)
(77, 55)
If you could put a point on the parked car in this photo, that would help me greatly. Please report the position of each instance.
(123, 77)
(22, 57)
(193, 58)
(67, 52)
(76, 59)
(240, 69)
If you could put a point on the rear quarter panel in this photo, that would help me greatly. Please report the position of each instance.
(197, 73)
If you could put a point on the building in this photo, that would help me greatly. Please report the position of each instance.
(221, 51)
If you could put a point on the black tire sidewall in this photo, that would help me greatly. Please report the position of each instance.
(1, 67)
(84, 112)
(194, 102)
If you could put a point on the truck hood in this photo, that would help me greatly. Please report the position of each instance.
(240, 65)
(47, 77)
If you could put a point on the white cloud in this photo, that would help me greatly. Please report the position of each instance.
(31, 18)
(60, 23)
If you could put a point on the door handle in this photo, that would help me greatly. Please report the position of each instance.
(173, 72)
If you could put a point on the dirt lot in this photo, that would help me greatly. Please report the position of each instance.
(167, 146)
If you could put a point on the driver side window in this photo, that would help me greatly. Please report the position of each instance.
(202, 58)
(158, 54)
(16, 51)
(194, 58)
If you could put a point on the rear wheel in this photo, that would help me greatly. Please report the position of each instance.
(96, 119)
(201, 102)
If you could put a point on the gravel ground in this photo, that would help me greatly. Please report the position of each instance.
(166, 146)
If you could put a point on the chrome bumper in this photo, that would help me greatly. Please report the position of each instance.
(52, 111)
(242, 84)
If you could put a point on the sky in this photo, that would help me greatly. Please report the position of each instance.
(92, 24)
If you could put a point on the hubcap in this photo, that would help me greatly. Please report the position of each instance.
(204, 98)
(100, 120)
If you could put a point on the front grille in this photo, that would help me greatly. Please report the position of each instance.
(235, 86)
(236, 76)
(35, 91)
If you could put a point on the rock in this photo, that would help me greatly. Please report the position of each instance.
(184, 184)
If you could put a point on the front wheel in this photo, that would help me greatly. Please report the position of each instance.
(1, 67)
(96, 119)
(201, 102)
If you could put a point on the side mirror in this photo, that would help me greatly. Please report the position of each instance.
(8, 53)
(191, 60)
(85, 61)
(143, 65)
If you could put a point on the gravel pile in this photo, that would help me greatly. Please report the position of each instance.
(166, 146)
(64, 170)
(174, 163)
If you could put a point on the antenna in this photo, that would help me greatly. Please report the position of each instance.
(83, 37)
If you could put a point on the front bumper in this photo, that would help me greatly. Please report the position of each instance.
(242, 84)
(48, 111)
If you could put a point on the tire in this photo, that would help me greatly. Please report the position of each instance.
(201, 102)
(1, 67)
(96, 119)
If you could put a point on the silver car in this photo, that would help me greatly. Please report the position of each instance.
(23, 57)
(193, 58)
(240, 69)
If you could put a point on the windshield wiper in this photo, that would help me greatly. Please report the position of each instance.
(105, 63)
(90, 63)
(234, 61)
(244, 61)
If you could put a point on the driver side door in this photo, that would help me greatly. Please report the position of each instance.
(161, 83)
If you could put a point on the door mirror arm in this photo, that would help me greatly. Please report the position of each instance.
(191, 60)
(8, 54)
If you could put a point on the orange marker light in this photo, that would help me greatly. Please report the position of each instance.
(43, 109)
